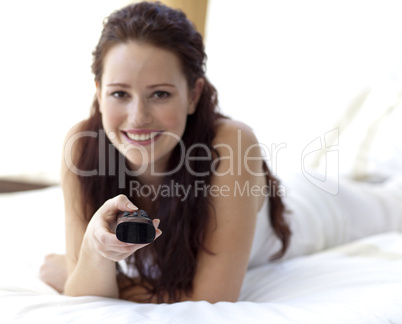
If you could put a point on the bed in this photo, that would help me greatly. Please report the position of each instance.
(360, 282)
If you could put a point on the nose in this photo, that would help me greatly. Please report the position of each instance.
(139, 113)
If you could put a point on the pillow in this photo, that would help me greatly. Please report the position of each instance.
(369, 136)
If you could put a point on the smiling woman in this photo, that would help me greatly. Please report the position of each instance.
(220, 213)
(153, 104)
(144, 99)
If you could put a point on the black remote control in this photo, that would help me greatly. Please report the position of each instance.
(135, 227)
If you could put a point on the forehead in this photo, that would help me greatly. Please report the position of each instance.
(135, 61)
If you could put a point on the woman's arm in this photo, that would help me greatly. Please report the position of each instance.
(95, 270)
(219, 276)
(92, 248)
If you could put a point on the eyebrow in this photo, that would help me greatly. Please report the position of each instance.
(161, 85)
(122, 85)
(125, 85)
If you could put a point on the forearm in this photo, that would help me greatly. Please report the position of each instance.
(93, 276)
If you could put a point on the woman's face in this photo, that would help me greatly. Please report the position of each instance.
(144, 100)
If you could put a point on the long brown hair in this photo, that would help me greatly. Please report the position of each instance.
(167, 266)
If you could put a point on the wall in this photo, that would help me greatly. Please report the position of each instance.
(45, 82)
(288, 68)
(291, 68)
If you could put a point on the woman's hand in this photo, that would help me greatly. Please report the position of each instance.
(95, 271)
(53, 271)
(100, 235)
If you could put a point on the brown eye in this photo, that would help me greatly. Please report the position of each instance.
(161, 94)
(120, 94)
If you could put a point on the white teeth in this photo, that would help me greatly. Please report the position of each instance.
(141, 137)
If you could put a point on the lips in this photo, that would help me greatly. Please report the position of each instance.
(142, 136)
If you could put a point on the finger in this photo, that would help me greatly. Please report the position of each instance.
(109, 241)
(158, 233)
(116, 204)
(121, 250)
(110, 246)
(121, 202)
(156, 223)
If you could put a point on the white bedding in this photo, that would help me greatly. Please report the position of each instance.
(357, 283)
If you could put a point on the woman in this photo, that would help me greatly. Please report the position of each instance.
(154, 126)
(155, 141)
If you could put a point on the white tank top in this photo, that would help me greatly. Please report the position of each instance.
(265, 242)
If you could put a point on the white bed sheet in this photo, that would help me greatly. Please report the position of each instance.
(359, 282)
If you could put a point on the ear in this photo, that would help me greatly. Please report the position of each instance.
(98, 94)
(195, 95)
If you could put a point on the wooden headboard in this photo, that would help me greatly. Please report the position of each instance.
(7, 185)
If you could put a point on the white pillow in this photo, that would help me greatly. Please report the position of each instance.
(370, 135)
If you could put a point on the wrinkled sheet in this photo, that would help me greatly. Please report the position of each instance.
(360, 282)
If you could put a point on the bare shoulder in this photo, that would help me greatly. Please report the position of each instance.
(237, 143)
(72, 135)
(76, 128)
(69, 172)
(71, 149)
(229, 130)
